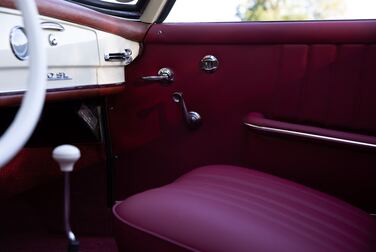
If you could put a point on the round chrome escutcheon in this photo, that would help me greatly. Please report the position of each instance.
(19, 43)
(209, 63)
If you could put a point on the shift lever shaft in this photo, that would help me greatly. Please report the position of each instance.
(66, 156)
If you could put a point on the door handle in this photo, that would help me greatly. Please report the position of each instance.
(165, 75)
(125, 56)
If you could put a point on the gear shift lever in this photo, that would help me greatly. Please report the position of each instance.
(66, 156)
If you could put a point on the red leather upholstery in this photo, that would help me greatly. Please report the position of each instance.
(228, 208)
(312, 73)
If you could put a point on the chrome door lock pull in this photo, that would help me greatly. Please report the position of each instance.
(192, 118)
(125, 56)
(165, 75)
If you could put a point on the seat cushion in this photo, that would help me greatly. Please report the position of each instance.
(229, 208)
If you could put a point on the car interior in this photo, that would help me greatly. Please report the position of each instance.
(158, 136)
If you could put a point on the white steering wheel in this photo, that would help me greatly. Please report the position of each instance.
(28, 115)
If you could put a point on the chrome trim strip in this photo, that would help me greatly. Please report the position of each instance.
(73, 88)
(309, 135)
(48, 25)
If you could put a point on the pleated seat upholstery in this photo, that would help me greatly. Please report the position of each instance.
(228, 208)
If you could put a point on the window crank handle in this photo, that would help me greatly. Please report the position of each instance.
(192, 118)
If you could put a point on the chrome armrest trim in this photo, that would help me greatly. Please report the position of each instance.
(310, 135)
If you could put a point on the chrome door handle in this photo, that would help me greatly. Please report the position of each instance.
(165, 75)
(125, 56)
(192, 118)
(47, 25)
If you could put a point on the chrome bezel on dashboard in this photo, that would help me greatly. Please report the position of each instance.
(19, 55)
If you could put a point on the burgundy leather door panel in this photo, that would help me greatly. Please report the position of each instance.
(313, 73)
(331, 32)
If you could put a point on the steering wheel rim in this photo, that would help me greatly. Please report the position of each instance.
(26, 119)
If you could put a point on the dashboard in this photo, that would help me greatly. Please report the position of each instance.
(78, 56)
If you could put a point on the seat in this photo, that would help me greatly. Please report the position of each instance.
(229, 208)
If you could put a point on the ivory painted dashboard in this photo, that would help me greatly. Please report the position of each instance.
(77, 60)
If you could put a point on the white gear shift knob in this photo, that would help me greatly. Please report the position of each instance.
(66, 155)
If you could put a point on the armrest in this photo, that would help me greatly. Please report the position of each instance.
(258, 121)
